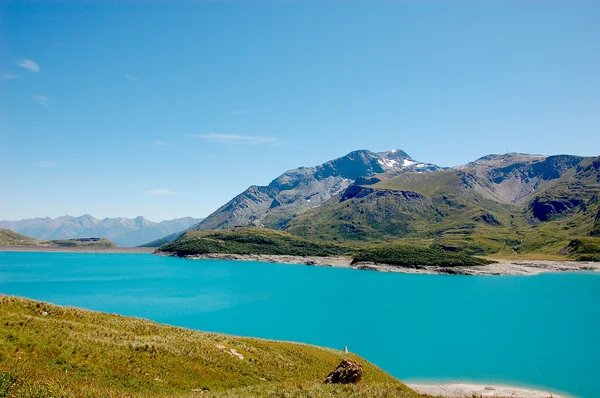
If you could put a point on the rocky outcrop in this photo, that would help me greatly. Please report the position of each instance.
(544, 208)
(596, 228)
(347, 372)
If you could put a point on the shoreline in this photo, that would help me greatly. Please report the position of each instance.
(81, 249)
(501, 268)
(463, 390)
(520, 267)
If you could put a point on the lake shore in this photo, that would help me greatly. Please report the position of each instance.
(462, 390)
(50, 249)
(521, 267)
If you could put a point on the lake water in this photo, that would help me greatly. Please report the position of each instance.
(538, 331)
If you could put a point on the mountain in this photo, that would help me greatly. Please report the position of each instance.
(299, 190)
(123, 231)
(515, 203)
(505, 203)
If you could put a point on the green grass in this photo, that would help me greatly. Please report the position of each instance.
(249, 240)
(49, 351)
(584, 249)
(13, 239)
(429, 184)
(410, 256)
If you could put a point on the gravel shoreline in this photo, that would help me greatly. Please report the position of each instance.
(522, 267)
(463, 390)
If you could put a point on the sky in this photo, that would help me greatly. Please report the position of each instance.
(169, 109)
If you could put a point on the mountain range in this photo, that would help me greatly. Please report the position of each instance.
(122, 231)
(513, 203)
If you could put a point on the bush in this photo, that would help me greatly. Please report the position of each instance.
(411, 256)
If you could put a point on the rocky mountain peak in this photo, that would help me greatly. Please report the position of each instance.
(304, 188)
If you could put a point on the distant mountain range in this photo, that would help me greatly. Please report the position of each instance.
(124, 232)
(513, 203)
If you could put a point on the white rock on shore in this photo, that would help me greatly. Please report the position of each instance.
(462, 390)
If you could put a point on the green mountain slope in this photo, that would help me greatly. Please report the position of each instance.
(51, 351)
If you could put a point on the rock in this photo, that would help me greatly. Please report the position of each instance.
(237, 354)
(347, 372)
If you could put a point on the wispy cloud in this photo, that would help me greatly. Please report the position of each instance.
(240, 112)
(131, 77)
(42, 100)
(162, 143)
(48, 164)
(10, 76)
(234, 139)
(29, 64)
(161, 192)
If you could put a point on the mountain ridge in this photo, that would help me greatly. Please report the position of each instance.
(121, 230)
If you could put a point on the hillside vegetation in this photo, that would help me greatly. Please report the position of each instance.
(408, 256)
(13, 239)
(246, 241)
(249, 241)
(52, 351)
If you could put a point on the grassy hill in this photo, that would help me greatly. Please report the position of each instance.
(13, 239)
(249, 240)
(49, 351)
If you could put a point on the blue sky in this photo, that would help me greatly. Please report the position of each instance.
(170, 109)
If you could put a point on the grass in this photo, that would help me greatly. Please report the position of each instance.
(410, 256)
(13, 239)
(584, 249)
(49, 351)
(249, 240)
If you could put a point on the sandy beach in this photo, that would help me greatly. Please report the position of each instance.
(524, 267)
(462, 390)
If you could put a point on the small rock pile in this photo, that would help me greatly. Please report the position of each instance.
(347, 372)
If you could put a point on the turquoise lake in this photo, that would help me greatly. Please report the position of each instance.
(538, 331)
